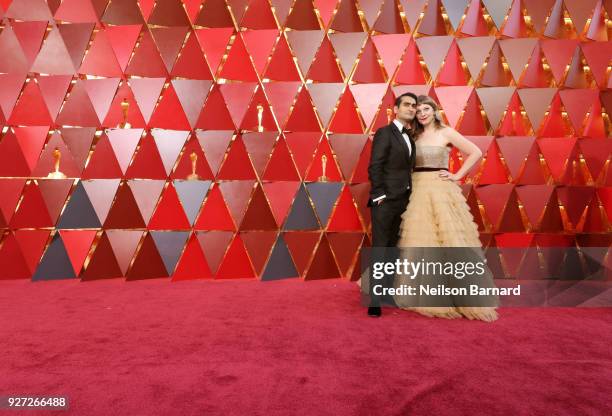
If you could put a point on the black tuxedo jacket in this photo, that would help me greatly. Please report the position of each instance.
(391, 164)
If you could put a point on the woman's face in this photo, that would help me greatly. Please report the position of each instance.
(425, 114)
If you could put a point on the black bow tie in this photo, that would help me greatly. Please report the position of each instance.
(406, 131)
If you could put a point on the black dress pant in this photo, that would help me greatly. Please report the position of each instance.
(386, 220)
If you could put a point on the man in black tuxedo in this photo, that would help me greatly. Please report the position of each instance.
(390, 173)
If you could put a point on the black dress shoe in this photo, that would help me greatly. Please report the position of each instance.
(374, 311)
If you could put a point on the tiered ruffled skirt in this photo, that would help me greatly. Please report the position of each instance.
(438, 215)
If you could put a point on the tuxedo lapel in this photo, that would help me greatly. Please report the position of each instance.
(413, 153)
(398, 136)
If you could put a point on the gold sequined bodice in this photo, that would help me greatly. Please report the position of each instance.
(432, 156)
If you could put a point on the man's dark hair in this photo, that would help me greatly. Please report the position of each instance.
(398, 100)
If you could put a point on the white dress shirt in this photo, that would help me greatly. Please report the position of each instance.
(400, 127)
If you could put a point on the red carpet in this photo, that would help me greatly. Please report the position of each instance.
(291, 348)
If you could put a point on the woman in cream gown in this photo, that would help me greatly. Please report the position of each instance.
(437, 214)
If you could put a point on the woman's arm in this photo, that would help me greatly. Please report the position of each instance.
(472, 152)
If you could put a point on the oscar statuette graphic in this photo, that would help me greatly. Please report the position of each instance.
(259, 118)
(389, 115)
(193, 176)
(323, 178)
(56, 174)
(125, 107)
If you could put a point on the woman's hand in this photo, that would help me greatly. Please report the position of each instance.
(446, 175)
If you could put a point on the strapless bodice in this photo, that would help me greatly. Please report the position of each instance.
(432, 156)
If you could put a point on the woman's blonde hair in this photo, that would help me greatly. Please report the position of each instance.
(426, 99)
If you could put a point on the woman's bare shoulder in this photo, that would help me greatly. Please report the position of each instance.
(447, 133)
(446, 130)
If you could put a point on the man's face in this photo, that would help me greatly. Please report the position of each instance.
(406, 109)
